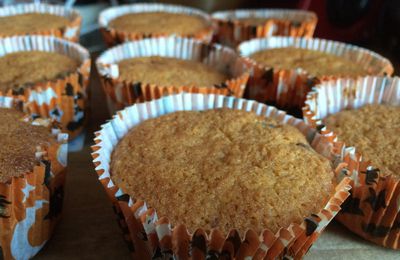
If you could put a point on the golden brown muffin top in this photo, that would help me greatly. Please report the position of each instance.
(18, 142)
(165, 71)
(30, 23)
(315, 62)
(160, 23)
(222, 168)
(374, 131)
(20, 68)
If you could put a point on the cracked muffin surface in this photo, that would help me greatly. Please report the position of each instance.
(222, 168)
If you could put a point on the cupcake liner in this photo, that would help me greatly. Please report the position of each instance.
(373, 209)
(287, 89)
(65, 98)
(31, 205)
(281, 22)
(113, 36)
(121, 93)
(70, 32)
(150, 235)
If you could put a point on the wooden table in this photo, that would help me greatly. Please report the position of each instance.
(89, 229)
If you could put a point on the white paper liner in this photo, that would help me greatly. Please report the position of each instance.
(71, 32)
(289, 14)
(381, 224)
(43, 43)
(111, 13)
(286, 243)
(336, 95)
(223, 59)
(65, 98)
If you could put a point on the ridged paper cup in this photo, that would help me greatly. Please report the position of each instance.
(70, 32)
(65, 98)
(232, 31)
(31, 205)
(166, 239)
(287, 88)
(113, 36)
(373, 209)
(122, 93)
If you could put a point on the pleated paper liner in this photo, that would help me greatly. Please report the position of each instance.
(114, 36)
(70, 32)
(173, 239)
(121, 93)
(30, 205)
(65, 98)
(373, 209)
(287, 88)
(232, 31)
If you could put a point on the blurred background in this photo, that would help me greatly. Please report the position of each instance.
(368, 23)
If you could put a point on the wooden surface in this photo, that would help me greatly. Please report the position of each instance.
(88, 229)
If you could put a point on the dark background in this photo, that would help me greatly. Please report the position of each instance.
(372, 24)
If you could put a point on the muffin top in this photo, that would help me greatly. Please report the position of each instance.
(165, 71)
(30, 23)
(29, 67)
(222, 168)
(315, 62)
(160, 23)
(18, 142)
(374, 131)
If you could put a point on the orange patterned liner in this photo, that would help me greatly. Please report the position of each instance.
(31, 205)
(70, 32)
(373, 209)
(121, 93)
(232, 31)
(65, 98)
(113, 36)
(287, 89)
(150, 236)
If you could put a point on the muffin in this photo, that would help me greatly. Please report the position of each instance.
(230, 147)
(150, 68)
(317, 63)
(165, 71)
(236, 26)
(364, 115)
(159, 23)
(32, 175)
(138, 21)
(186, 153)
(25, 68)
(373, 130)
(56, 67)
(43, 19)
(286, 68)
